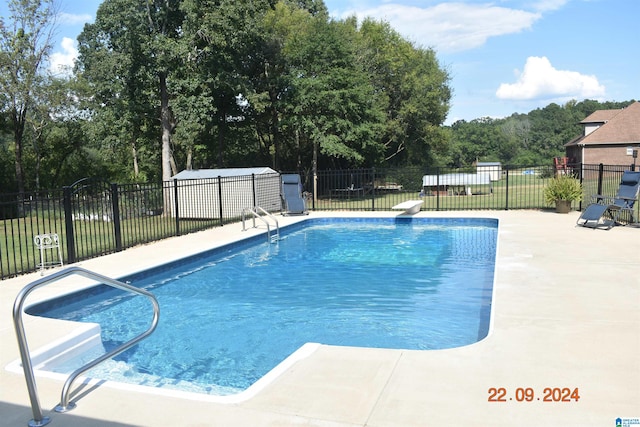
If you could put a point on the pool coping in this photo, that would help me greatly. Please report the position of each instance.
(544, 318)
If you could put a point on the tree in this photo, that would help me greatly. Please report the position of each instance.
(271, 77)
(332, 103)
(414, 91)
(222, 44)
(25, 43)
(119, 90)
(7, 164)
(127, 55)
(480, 140)
(320, 104)
(64, 154)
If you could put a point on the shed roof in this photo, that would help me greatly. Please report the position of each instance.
(456, 179)
(224, 173)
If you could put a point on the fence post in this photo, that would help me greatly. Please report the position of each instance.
(581, 173)
(600, 177)
(220, 199)
(68, 223)
(373, 189)
(506, 189)
(437, 189)
(253, 189)
(115, 208)
(176, 205)
(315, 184)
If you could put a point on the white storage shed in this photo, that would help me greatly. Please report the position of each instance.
(209, 193)
(494, 169)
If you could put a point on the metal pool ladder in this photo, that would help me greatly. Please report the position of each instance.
(18, 308)
(255, 213)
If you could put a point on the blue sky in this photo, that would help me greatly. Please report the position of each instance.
(504, 56)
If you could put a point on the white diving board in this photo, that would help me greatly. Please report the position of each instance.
(409, 207)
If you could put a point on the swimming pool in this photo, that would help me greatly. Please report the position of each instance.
(231, 315)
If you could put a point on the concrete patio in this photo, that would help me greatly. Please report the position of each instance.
(566, 314)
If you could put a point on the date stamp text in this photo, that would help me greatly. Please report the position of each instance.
(529, 394)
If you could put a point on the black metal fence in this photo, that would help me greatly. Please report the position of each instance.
(496, 187)
(95, 218)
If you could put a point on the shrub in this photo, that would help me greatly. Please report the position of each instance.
(563, 187)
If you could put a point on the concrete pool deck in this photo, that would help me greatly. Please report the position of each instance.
(566, 314)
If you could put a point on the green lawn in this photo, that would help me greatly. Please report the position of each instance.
(524, 192)
(18, 253)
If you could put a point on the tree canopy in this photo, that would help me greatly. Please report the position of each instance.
(522, 139)
(25, 43)
(227, 83)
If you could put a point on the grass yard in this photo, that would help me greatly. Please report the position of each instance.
(524, 192)
(18, 253)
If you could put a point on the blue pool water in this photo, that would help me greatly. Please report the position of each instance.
(231, 315)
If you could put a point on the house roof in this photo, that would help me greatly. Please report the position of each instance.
(619, 127)
(214, 173)
(600, 116)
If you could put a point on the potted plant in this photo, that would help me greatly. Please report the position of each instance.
(563, 190)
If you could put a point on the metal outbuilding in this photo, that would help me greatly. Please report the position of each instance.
(455, 183)
(224, 193)
(494, 169)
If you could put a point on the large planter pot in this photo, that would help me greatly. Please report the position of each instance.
(563, 206)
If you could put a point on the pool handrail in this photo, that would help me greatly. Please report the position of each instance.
(255, 213)
(18, 308)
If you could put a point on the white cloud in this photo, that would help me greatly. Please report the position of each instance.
(549, 5)
(62, 62)
(540, 80)
(72, 19)
(450, 27)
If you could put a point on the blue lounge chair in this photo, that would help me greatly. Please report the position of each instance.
(292, 195)
(604, 212)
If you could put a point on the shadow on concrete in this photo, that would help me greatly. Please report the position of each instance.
(19, 415)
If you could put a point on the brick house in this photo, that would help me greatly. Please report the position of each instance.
(609, 137)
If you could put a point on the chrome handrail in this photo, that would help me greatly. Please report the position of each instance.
(18, 308)
(254, 214)
(258, 208)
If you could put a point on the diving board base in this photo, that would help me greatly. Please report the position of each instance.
(409, 207)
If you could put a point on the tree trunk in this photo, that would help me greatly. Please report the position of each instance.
(168, 164)
(221, 131)
(18, 132)
(315, 172)
(299, 158)
(134, 153)
(166, 120)
(275, 129)
(189, 165)
(38, 132)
